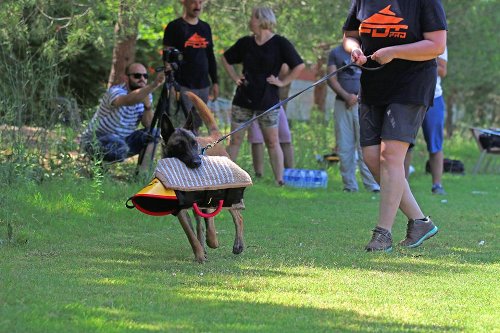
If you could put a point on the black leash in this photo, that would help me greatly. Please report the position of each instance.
(274, 107)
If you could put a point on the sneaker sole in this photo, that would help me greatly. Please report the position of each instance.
(389, 249)
(425, 237)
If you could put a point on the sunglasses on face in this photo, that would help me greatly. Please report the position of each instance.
(137, 76)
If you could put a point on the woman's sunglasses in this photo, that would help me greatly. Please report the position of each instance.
(137, 76)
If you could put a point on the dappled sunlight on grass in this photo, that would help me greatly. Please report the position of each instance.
(301, 194)
(109, 281)
(109, 318)
(303, 268)
(65, 203)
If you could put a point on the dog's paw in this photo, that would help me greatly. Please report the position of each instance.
(200, 259)
(238, 248)
(212, 243)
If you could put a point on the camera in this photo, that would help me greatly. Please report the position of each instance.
(172, 55)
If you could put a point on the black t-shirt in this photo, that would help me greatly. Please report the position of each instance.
(259, 62)
(386, 23)
(195, 43)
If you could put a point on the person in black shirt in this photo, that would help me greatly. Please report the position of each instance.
(193, 37)
(405, 36)
(262, 55)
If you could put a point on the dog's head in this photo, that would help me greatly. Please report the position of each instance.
(180, 142)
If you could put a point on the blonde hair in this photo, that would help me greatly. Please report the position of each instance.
(266, 17)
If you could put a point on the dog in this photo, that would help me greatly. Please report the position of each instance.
(182, 144)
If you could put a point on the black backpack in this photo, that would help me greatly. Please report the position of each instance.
(488, 140)
(451, 166)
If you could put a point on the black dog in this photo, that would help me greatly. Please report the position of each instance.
(182, 144)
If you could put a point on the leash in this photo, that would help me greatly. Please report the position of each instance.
(274, 107)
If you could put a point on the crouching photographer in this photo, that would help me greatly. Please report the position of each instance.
(112, 134)
(192, 37)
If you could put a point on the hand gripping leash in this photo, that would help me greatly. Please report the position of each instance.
(274, 107)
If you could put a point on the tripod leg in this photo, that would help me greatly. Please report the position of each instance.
(161, 108)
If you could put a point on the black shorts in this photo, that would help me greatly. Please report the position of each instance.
(399, 122)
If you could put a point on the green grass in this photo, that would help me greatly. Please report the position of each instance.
(74, 259)
(78, 261)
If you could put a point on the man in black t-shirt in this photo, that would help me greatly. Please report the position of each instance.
(193, 37)
(405, 36)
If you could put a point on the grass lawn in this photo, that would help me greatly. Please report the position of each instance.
(79, 261)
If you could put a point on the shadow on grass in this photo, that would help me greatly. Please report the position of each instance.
(168, 312)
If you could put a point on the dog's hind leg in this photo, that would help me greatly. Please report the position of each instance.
(210, 237)
(212, 240)
(239, 244)
(198, 249)
(200, 230)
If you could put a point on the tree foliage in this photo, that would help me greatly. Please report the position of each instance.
(70, 45)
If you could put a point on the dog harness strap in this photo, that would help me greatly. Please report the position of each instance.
(131, 204)
(207, 215)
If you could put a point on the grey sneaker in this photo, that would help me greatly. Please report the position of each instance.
(417, 231)
(438, 189)
(381, 241)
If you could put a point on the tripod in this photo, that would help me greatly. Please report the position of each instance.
(163, 109)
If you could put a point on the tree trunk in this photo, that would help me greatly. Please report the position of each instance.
(126, 30)
(320, 90)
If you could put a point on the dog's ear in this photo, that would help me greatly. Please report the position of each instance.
(189, 124)
(167, 128)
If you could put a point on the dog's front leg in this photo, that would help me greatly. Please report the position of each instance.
(198, 250)
(239, 244)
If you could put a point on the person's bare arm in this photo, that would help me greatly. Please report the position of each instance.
(350, 99)
(231, 71)
(429, 48)
(442, 67)
(139, 95)
(352, 45)
(288, 78)
(433, 45)
(147, 117)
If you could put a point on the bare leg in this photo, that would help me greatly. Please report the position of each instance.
(408, 158)
(436, 163)
(235, 141)
(275, 152)
(258, 158)
(288, 155)
(386, 164)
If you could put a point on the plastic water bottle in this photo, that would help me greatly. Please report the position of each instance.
(317, 182)
(305, 178)
(309, 180)
(324, 179)
(294, 177)
(286, 176)
(301, 178)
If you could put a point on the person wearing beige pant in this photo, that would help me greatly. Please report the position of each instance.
(345, 114)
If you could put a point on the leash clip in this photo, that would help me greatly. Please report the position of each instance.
(207, 147)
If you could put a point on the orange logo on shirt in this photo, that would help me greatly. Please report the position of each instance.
(384, 24)
(196, 42)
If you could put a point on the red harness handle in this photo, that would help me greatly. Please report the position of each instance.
(207, 215)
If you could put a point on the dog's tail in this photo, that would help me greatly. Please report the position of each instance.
(205, 113)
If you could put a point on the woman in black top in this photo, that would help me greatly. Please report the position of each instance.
(405, 36)
(262, 55)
